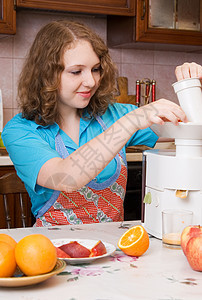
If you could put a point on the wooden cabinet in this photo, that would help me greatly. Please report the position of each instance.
(149, 27)
(14, 206)
(114, 7)
(157, 26)
(7, 17)
(106, 7)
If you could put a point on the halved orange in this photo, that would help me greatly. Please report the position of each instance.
(135, 241)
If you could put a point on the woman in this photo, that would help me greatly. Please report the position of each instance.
(68, 144)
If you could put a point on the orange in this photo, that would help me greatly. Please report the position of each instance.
(135, 241)
(7, 260)
(7, 239)
(35, 254)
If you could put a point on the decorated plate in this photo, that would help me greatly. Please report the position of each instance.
(30, 280)
(88, 244)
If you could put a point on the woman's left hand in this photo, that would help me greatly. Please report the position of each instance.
(188, 70)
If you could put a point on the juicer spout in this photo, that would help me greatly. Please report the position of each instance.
(181, 194)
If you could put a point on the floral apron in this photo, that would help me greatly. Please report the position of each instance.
(93, 203)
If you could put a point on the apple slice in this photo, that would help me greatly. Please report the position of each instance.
(75, 250)
(194, 252)
(98, 249)
(61, 253)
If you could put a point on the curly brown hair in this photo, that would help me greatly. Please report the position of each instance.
(39, 81)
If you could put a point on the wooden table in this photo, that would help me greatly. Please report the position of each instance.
(160, 274)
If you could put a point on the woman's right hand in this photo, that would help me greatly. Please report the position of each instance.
(158, 112)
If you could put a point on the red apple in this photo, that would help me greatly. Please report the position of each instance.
(98, 249)
(194, 252)
(76, 250)
(189, 232)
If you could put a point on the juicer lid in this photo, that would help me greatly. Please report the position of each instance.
(186, 131)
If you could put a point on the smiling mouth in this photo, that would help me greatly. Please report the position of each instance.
(85, 94)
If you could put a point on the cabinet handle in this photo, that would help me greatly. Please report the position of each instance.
(14, 4)
(143, 9)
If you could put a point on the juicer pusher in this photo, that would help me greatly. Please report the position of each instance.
(188, 136)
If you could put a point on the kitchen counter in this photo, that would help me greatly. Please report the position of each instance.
(133, 153)
(160, 273)
(6, 161)
(4, 158)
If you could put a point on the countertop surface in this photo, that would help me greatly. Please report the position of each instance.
(6, 161)
(132, 156)
(159, 274)
(133, 153)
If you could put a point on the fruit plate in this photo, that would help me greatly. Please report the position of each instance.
(30, 280)
(88, 244)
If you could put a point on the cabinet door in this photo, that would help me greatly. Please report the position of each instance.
(13, 202)
(7, 17)
(114, 7)
(169, 21)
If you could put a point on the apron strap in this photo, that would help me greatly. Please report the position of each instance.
(102, 123)
(48, 204)
(103, 185)
(61, 149)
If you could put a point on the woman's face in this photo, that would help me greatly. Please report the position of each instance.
(80, 78)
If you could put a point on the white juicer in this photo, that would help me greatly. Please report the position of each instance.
(173, 179)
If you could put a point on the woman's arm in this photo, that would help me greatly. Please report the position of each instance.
(75, 171)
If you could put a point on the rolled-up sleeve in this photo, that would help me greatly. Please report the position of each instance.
(27, 148)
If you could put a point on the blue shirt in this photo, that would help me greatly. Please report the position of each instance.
(30, 145)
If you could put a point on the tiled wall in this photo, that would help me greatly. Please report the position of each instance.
(134, 64)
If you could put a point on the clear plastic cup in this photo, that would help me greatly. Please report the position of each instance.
(173, 223)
